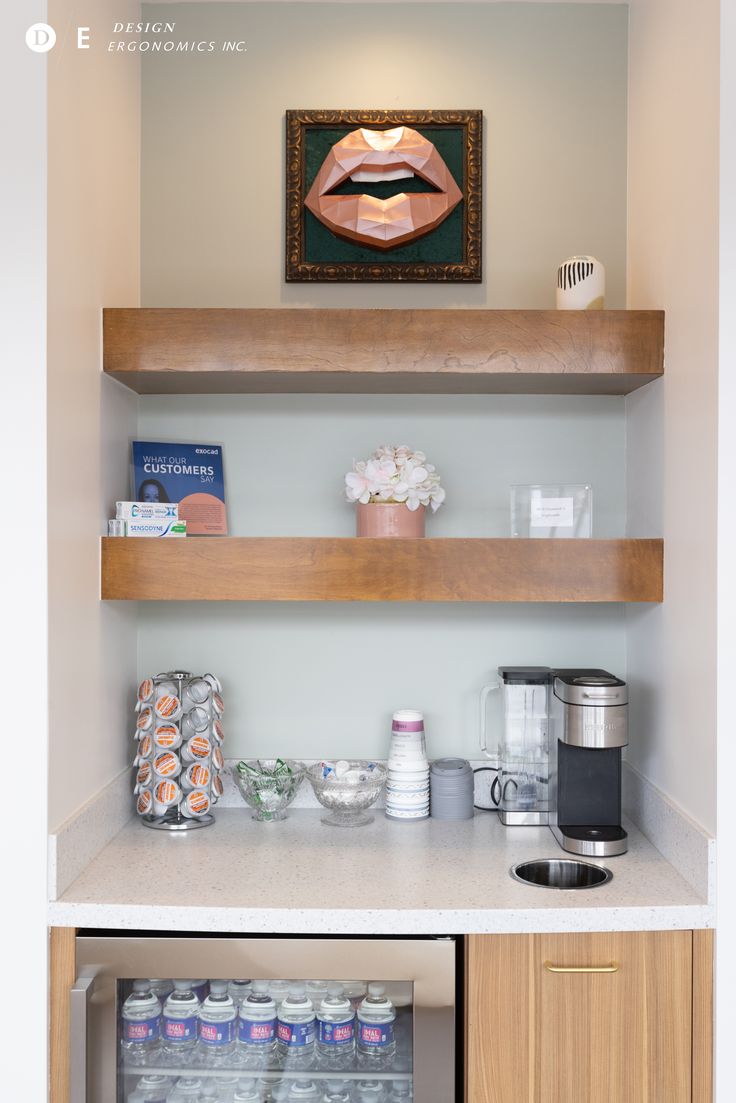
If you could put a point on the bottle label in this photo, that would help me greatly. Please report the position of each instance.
(336, 1034)
(217, 1034)
(376, 1037)
(295, 1034)
(180, 1030)
(144, 1030)
(257, 1033)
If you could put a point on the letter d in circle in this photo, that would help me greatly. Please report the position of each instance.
(40, 38)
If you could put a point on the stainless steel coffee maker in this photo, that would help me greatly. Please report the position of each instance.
(588, 729)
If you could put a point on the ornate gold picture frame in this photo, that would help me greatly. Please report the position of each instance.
(399, 231)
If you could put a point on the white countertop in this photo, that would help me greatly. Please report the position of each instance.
(300, 876)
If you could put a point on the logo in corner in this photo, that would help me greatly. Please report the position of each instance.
(40, 38)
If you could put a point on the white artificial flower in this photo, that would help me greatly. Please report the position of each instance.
(395, 474)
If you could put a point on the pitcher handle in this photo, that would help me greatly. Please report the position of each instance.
(492, 687)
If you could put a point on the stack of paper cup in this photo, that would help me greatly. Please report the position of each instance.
(407, 789)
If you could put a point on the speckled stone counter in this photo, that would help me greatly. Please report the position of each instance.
(300, 876)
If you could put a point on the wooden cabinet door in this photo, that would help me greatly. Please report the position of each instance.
(544, 1028)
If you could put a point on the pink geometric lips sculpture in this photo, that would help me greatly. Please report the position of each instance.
(367, 156)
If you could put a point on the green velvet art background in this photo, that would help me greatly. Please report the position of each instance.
(441, 246)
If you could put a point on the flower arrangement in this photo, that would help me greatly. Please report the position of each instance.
(395, 474)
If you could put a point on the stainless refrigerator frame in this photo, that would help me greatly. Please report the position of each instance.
(428, 963)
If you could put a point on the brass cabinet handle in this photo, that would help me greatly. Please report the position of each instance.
(612, 968)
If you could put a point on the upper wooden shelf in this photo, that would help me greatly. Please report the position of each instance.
(213, 351)
(346, 569)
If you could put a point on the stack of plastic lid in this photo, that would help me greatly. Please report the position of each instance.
(451, 784)
(407, 789)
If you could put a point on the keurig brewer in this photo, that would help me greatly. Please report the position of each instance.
(588, 728)
(559, 755)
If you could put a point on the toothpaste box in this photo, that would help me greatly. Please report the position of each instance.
(147, 511)
(138, 526)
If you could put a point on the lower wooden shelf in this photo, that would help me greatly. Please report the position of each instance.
(350, 569)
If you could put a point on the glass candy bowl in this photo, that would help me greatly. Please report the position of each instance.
(347, 798)
(269, 785)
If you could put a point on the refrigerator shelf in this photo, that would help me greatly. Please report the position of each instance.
(264, 1074)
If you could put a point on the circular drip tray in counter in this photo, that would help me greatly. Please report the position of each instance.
(560, 873)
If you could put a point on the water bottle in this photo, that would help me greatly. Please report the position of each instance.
(217, 1024)
(336, 1029)
(370, 1091)
(162, 988)
(257, 1026)
(239, 989)
(199, 987)
(179, 1022)
(151, 1089)
(337, 1091)
(247, 1092)
(376, 1018)
(141, 1015)
(279, 989)
(188, 1089)
(400, 1092)
(226, 1086)
(303, 1091)
(295, 1028)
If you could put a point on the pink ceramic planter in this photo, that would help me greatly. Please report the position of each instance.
(389, 519)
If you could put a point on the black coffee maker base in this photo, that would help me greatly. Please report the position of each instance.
(592, 841)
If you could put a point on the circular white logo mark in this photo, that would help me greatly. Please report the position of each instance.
(40, 38)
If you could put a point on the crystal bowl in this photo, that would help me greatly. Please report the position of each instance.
(269, 795)
(347, 798)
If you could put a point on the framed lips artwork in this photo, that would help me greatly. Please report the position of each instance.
(383, 195)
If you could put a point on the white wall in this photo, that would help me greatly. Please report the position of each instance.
(550, 79)
(672, 426)
(726, 933)
(93, 260)
(23, 527)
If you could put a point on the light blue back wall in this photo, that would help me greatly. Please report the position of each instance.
(323, 679)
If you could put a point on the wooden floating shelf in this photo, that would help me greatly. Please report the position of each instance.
(214, 351)
(343, 569)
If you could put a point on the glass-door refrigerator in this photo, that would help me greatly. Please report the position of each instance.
(230, 1019)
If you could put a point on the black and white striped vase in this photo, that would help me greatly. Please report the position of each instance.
(581, 284)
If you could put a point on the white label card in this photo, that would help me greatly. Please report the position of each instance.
(551, 513)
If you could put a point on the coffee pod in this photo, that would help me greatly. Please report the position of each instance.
(145, 748)
(144, 720)
(143, 776)
(196, 720)
(196, 749)
(218, 703)
(144, 803)
(167, 764)
(195, 804)
(145, 690)
(217, 733)
(217, 788)
(165, 794)
(167, 737)
(218, 760)
(213, 681)
(196, 776)
(168, 707)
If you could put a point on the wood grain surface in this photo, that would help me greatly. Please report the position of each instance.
(351, 569)
(61, 978)
(539, 1037)
(702, 1017)
(209, 351)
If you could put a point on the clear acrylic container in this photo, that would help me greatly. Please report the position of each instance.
(561, 510)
